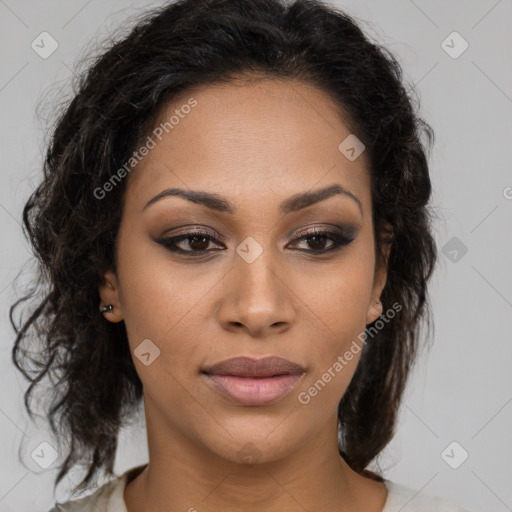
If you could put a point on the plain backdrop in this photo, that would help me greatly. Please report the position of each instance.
(453, 438)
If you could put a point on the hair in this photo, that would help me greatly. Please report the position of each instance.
(115, 103)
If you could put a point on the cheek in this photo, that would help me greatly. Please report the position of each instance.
(340, 308)
(340, 295)
(161, 302)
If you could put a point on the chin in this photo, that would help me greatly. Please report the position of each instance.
(254, 444)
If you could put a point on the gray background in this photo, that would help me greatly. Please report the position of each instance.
(462, 389)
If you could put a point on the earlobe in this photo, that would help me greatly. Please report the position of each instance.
(110, 305)
(374, 311)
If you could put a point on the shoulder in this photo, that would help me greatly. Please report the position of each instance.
(107, 498)
(406, 499)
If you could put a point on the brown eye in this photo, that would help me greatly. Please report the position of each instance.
(196, 241)
(316, 239)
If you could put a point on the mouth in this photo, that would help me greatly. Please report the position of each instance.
(254, 382)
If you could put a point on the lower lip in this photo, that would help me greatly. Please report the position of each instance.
(254, 391)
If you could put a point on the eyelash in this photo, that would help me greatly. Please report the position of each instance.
(339, 240)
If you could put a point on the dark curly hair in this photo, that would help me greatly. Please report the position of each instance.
(116, 100)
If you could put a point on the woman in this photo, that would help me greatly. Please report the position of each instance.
(234, 225)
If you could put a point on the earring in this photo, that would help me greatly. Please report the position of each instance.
(106, 309)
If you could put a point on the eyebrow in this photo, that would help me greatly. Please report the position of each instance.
(292, 204)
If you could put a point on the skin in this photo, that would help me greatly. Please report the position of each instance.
(256, 143)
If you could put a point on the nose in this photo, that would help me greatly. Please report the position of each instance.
(257, 298)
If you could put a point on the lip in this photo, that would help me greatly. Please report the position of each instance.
(254, 382)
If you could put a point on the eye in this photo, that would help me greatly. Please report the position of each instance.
(317, 239)
(196, 242)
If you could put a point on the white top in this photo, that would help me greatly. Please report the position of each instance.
(109, 498)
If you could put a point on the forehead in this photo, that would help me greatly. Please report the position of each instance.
(252, 136)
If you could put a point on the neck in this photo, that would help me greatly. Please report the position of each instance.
(181, 475)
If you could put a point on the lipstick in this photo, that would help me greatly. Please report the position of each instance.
(254, 382)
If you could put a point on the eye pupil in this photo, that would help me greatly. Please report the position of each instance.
(202, 246)
(317, 238)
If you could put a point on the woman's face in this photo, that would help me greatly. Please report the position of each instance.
(246, 285)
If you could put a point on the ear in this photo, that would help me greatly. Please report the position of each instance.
(109, 294)
(381, 272)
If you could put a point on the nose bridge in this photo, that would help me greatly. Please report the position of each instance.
(256, 270)
(257, 298)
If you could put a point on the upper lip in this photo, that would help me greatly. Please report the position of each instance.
(249, 367)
